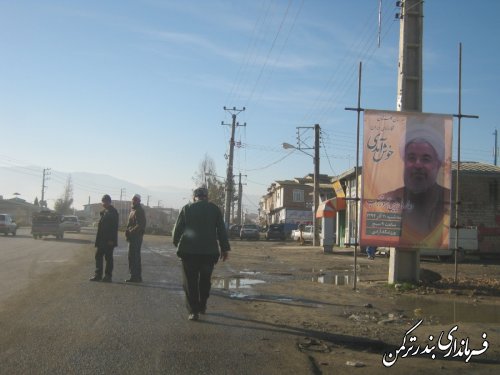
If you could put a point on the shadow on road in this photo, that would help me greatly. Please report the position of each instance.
(355, 343)
(68, 240)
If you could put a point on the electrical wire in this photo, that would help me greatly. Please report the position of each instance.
(271, 164)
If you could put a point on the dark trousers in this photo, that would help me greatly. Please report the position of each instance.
(197, 274)
(134, 257)
(105, 252)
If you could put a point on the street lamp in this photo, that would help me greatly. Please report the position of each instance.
(316, 178)
(287, 146)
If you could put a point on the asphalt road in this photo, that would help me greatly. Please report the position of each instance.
(54, 321)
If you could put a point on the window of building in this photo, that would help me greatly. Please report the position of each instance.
(298, 195)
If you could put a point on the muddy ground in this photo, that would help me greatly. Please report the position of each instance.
(343, 329)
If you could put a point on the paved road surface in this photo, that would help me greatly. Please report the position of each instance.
(54, 321)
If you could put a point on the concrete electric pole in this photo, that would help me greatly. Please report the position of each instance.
(409, 97)
(240, 197)
(495, 150)
(45, 177)
(404, 264)
(229, 176)
(316, 184)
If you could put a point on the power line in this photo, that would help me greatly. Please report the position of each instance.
(273, 163)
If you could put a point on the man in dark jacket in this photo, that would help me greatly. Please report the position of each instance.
(134, 234)
(106, 240)
(198, 233)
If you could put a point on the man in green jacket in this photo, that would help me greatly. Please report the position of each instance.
(198, 234)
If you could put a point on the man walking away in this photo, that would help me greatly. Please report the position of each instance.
(134, 234)
(198, 233)
(106, 240)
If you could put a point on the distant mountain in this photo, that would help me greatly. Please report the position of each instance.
(27, 182)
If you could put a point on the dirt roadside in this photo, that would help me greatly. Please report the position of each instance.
(342, 330)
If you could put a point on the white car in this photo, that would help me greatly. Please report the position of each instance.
(70, 223)
(307, 233)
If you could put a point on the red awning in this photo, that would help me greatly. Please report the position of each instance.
(329, 207)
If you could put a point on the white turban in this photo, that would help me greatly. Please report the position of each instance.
(418, 129)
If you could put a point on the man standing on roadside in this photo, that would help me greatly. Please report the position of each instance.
(106, 240)
(198, 233)
(134, 233)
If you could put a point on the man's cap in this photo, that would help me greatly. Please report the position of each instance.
(136, 196)
(426, 129)
(200, 192)
(106, 198)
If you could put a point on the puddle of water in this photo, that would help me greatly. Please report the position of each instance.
(234, 283)
(325, 270)
(247, 272)
(238, 295)
(334, 279)
(450, 311)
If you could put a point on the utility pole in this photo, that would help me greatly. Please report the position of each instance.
(45, 177)
(317, 131)
(409, 95)
(316, 183)
(495, 151)
(122, 211)
(240, 195)
(147, 202)
(404, 264)
(229, 176)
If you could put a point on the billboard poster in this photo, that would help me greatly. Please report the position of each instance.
(406, 180)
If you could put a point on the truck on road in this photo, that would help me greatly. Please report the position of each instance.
(47, 223)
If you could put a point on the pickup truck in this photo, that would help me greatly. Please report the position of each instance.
(47, 223)
(307, 233)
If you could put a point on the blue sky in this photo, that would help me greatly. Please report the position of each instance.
(136, 89)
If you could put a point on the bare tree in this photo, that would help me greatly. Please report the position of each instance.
(206, 175)
(63, 205)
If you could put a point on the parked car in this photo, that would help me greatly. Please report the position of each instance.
(234, 231)
(250, 231)
(307, 233)
(7, 225)
(275, 232)
(70, 223)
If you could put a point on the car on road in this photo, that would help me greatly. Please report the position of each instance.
(70, 223)
(250, 231)
(7, 224)
(234, 231)
(275, 232)
(307, 233)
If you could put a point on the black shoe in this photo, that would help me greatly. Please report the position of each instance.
(194, 316)
(106, 279)
(96, 278)
(134, 280)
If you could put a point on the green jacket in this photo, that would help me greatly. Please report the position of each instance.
(136, 222)
(198, 228)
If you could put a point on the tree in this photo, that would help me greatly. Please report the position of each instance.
(36, 201)
(206, 175)
(63, 205)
